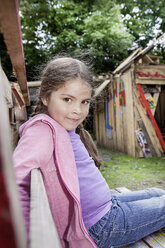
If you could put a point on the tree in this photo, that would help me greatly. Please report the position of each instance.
(52, 27)
(104, 32)
(145, 19)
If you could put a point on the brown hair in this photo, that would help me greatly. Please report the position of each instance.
(57, 72)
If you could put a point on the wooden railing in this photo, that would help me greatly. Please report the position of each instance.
(43, 233)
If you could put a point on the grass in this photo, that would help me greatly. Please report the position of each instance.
(121, 170)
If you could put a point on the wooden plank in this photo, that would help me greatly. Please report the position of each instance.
(118, 127)
(34, 84)
(156, 240)
(12, 231)
(155, 97)
(150, 81)
(156, 59)
(43, 233)
(103, 77)
(6, 88)
(99, 89)
(139, 244)
(150, 129)
(138, 150)
(136, 56)
(147, 59)
(96, 122)
(151, 117)
(150, 68)
(151, 102)
(144, 130)
(127, 62)
(18, 99)
(11, 29)
(130, 114)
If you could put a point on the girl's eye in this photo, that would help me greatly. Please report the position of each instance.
(67, 99)
(86, 102)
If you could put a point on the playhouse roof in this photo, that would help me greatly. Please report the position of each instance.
(135, 56)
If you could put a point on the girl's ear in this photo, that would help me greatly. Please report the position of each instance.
(44, 101)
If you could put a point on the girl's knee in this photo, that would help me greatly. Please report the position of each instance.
(156, 191)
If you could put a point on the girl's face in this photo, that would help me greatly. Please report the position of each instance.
(69, 105)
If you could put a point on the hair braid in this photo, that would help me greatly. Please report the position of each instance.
(89, 144)
(40, 108)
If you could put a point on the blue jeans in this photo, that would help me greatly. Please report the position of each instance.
(133, 215)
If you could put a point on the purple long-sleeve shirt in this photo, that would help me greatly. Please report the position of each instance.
(95, 195)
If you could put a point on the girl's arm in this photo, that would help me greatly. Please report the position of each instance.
(34, 149)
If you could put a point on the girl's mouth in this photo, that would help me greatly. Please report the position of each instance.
(73, 119)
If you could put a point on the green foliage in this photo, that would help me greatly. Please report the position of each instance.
(106, 38)
(144, 18)
(74, 27)
(102, 31)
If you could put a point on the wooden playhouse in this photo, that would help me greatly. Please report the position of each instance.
(130, 107)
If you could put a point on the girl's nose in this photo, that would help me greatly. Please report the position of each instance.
(77, 109)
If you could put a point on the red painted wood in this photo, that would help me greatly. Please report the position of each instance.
(156, 75)
(11, 29)
(149, 113)
(7, 239)
(17, 96)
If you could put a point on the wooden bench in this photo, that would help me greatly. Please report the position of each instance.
(43, 233)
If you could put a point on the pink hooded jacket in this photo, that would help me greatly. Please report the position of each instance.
(46, 145)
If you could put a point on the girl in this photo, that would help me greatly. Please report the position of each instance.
(84, 211)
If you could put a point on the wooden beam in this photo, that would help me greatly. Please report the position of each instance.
(127, 62)
(34, 84)
(99, 89)
(150, 81)
(135, 57)
(11, 29)
(147, 59)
